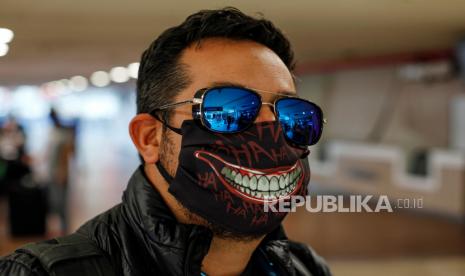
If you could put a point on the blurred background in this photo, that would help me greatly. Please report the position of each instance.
(389, 75)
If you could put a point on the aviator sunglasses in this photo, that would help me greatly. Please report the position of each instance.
(232, 109)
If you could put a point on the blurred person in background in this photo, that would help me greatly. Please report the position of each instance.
(12, 140)
(14, 162)
(194, 206)
(60, 151)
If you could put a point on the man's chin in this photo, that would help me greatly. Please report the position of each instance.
(219, 231)
(224, 234)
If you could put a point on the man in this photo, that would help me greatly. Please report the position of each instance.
(60, 151)
(209, 93)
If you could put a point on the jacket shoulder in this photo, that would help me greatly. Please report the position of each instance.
(105, 221)
(21, 264)
(61, 256)
(110, 232)
(304, 255)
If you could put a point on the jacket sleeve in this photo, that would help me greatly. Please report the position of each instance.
(20, 264)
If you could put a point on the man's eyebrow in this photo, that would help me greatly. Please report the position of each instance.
(228, 83)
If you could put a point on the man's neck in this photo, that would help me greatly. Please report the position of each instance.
(225, 256)
(228, 257)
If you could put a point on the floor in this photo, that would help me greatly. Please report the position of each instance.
(377, 235)
(437, 266)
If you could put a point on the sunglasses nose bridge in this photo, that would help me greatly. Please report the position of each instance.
(266, 113)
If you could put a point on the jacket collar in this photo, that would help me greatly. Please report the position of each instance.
(155, 224)
(149, 214)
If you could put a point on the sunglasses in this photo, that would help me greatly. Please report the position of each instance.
(231, 109)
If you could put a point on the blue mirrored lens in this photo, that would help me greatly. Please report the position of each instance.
(229, 109)
(301, 121)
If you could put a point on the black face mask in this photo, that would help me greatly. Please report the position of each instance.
(227, 178)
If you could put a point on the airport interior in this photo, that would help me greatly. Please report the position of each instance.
(388, 75)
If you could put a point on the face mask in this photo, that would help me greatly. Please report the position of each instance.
(227, 178)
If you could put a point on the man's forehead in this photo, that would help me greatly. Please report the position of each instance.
(248, 64)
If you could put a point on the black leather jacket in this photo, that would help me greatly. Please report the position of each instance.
(142, 237)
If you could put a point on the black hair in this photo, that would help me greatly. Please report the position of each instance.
(162, 77)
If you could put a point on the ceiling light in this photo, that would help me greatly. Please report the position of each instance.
(100, 79)
(3, 49)
(65, 82)
(119, 74)
(78, 83)
(133, 70)
(6, 35)
(59, 86)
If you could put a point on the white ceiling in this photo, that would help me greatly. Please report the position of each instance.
(61, 38)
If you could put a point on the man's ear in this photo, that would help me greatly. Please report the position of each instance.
(146, 134)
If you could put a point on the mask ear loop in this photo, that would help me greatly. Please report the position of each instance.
(164, 173)
(174, 129)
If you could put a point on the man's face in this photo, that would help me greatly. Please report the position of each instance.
(220, 61)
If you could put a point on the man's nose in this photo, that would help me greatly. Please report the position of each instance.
(265, 114)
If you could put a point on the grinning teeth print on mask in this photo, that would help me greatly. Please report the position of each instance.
(253, 184)
(227, 178)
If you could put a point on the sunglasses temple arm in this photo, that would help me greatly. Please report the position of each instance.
(173, 105)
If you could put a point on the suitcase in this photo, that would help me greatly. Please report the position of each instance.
(27, 208)
(10, 172)
(3, 176)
